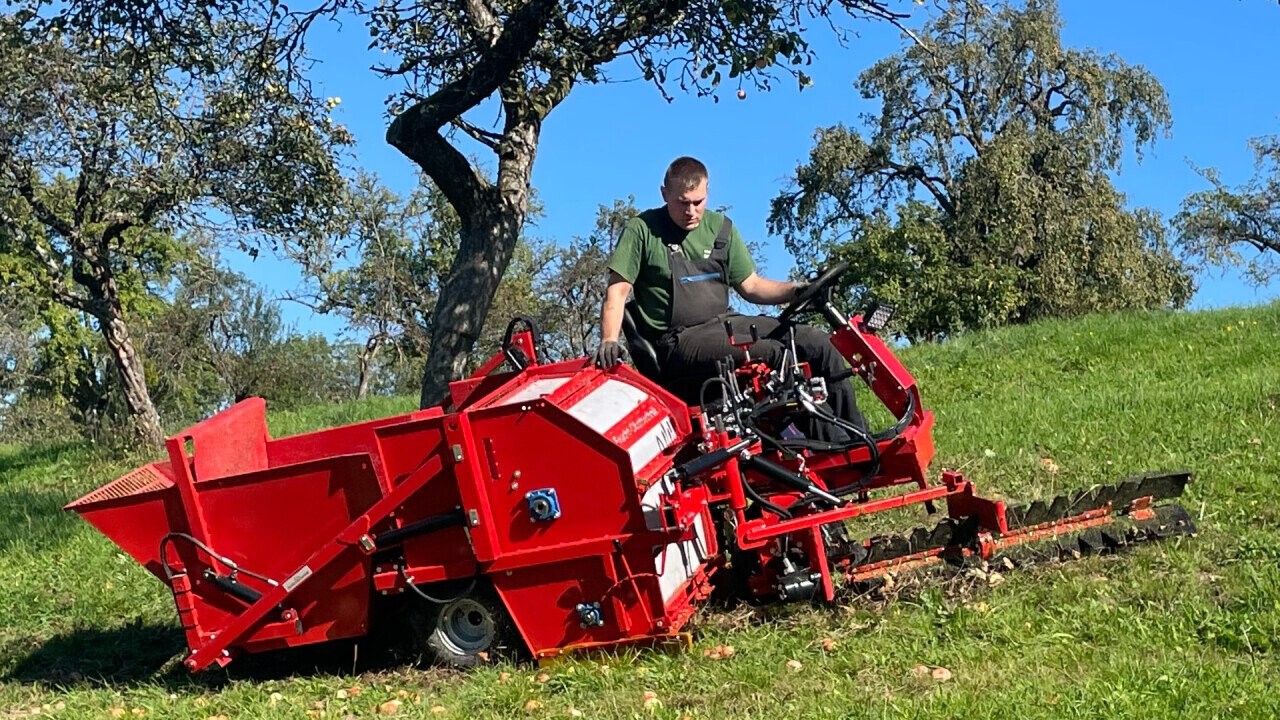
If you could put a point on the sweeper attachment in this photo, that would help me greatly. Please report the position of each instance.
(548, 507)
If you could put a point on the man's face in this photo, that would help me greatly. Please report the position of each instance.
(686, 207)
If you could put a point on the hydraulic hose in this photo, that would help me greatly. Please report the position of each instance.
(788, 478)
(420, 527)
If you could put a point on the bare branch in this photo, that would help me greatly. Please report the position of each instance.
(25, 186)
(480, 135)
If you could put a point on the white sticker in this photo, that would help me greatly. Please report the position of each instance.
(296, 579)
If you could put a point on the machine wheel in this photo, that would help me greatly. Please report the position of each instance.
(470, 629)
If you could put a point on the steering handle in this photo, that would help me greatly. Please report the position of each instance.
(818, 290)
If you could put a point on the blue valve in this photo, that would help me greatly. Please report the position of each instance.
(590, 615)
(543, 504)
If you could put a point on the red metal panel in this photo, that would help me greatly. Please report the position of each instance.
(334, 604)
(270, 520)
(404, 448)
(543, 600)
(543, 449)
(346, 541)
(184, 479)
(232, 442)
(467, 458)
(876, 363)
(343, 440)
(136, 522)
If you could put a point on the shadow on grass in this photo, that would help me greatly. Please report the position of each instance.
(125, 655)
(337, 658)
(151, 654)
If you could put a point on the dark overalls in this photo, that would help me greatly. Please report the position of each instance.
(697, 339)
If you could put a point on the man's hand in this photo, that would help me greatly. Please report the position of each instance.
(801, 286)
(610, 353)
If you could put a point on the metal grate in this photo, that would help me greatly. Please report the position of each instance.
(144, 479)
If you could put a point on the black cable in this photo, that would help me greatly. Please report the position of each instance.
(786, 446)
(770, 441)
(422, 594)
(874, 456)
(862, 439)
(755, 497)
(897, 428)
(702, 392)
(231, 564)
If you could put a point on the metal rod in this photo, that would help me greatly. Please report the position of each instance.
(421, 527)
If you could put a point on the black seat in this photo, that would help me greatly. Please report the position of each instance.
(643, 354)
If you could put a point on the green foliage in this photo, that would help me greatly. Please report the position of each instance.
(1220, 225)
(1182, 629)
(383, 271)
(572, 287)
(106, 153)
(380, 269)
(981, 194)
(212, 339)
(696, 47)
(223, 340)
(520, 59)
(18, 329)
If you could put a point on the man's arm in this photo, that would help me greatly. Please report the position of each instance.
(763, 291)
(615, 299)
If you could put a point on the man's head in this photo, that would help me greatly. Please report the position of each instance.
(684, 190)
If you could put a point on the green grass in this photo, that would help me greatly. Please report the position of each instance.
(1183, 629)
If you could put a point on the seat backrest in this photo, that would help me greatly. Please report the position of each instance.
(643, 354)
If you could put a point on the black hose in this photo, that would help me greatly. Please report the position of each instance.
(428, 524)
(532, 327)
(755, 497)
(702, 391)
(897, 428)
(703, 463)
(230, 585)
(222, 559)
(422, 594)
(777, 473)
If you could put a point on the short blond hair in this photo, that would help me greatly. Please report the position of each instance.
(684, 173)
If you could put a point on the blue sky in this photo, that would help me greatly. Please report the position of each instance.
(1218, 62)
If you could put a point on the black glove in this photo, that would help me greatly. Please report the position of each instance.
(801, 287)
(610, 353)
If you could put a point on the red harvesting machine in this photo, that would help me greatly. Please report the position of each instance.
(544, 508)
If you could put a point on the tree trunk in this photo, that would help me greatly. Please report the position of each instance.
(490, 230)
(132, 378)
(367, 357)
(485, 250)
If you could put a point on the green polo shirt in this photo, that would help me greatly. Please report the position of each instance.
(641, 258)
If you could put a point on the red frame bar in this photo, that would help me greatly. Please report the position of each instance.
(220, 639)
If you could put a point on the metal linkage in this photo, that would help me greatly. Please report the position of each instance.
(1104, 519)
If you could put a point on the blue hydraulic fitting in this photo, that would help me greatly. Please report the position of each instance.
(590, 615)
(543, 504)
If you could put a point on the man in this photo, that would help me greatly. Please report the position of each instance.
(681, 259)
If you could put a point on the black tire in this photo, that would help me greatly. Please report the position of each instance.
(469, 629)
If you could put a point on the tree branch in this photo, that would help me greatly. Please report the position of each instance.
(57, 283)
(935, 185)
(26, 188)
(480, 135)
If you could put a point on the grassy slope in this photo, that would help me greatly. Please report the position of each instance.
(1188, 627)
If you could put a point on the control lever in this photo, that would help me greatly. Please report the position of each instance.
(744, 345)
